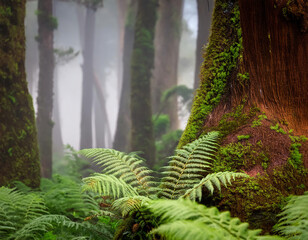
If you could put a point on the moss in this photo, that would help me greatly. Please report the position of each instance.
(19, 158)
(258, 122)
(243, 137)
(278, 129)
(220, 59)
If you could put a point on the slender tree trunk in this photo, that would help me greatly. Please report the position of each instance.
(205, 8)
(87, 82)
(167, 41)
(46, 25)
(141, 66)
(122, 134)
(57, 141)
(19, 154)
(276, 58)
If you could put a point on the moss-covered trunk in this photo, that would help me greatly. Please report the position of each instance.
(141, 66)
(253, 91)
(19, 156)
(46, 25)
(167, 42)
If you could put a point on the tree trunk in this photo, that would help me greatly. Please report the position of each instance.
(87, 82)
(122, 135)
(205, 9)
(19, 154)
(141, 66)
(46, 25)
(253, 90)
(167, 41)
(276, 57)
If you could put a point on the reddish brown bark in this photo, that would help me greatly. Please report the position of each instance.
(276, 57)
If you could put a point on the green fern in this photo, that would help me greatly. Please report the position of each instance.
(186, 167)
(129, 168)
(184, 219)
(209, 182)
(294, 218)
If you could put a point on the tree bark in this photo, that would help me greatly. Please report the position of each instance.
(46, 25)
(87, 82)
(142, 138)
(167, 41)
(19, 154)
(122, 135)
(205, 9)
(276, 57)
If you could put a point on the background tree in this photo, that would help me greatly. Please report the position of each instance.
(205, 9)
(142, 138)
(46, 24)
(253, 91)
(19, 156)
(122, 135)
(167, 41)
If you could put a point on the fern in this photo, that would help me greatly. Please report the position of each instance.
(127, 205)
(129, 168)
(109, 186)
(209, 182)
(186, 168)
(184, 219)
(294, 218)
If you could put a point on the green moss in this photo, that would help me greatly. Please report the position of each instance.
(258, 122)
(278, 129)
(220, 59)
(243, 137)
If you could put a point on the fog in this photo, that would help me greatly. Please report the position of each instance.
(107, 60)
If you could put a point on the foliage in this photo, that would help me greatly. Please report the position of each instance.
(25, 216)
(294, 218)
(134, 190)
(161, 124)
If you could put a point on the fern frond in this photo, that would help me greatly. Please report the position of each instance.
(128, 205)
(210, 182)
(16, 209)
(170, 211)
(124, 166)
(294, 218)
(64, 196)
(186, 167)
(108, 185)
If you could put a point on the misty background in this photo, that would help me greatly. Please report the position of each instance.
(107, 61)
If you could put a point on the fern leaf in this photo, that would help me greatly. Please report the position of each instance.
(109, 186)
(128, 205)
(294, 218)
(210, 182)
(127, 167)
(169, 211)
(188, 164)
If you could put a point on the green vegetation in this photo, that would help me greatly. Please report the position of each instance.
(243, 137)
(278, 129)
(258, 122)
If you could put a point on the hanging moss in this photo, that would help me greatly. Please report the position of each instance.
(19, 158)
(220, 59)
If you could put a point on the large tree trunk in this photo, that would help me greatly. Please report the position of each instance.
(205, 8)
(122, 135)
(87, 82)
(253, 90)
(19, 154)
(167, 41)
(142, 138)
(276, 58)
(46, 25)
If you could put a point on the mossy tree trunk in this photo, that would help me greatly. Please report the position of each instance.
(253, 91)
(205, 9)
(46, 25)
(167, 42)
(122, 134)
(142, 138)
(19, 154)
(275, 41)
